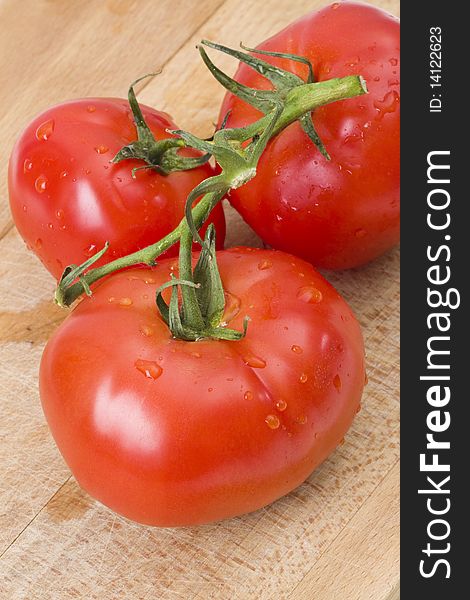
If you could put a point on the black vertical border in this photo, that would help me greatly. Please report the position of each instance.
(422, 132)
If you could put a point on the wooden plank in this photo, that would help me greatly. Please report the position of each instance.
(364, 554)
(53, 51)
(395, 593)
(56, 541)
(31, 470)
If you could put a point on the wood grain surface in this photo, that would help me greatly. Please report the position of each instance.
(333, 538)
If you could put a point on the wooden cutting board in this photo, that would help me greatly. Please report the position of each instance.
(336, 536)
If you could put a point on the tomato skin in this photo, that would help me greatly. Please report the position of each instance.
(345, 212)
(203, 430)
(67, 199)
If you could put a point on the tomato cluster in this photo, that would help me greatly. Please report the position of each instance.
(171, 432)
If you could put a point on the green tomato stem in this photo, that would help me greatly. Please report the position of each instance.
(192, 313)
(306, 98)
(301, 100)
(66, 296)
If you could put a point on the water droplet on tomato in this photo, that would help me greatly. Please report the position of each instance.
(335, 5)
(297, 349)
(91, 108)
(125, 301)
(146, 330)
(44, 131)
(281, 405)
(264, 264)
(38, 244)
(210, 389)
(360, 233)
(111, 299)
(25, 208)
(337, 382)
(272, 421)
(394, 82)
(50, 225)
(302, 420)
(41, 184)
(366, 379)
(303, 378)
(149, 280)
(309, 294)
(101, 149)
(27, 165)
(254, 361)
(149, 368)
(377, 78)
(388, 104)
(393, 62)
(59, 213)
(196, 354)
(352, 62)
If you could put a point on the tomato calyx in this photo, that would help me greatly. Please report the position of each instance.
(283, 82)
(199, 315)
(160, 155)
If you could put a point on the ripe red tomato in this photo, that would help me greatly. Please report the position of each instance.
(344, 212)
(171, 433)
(67, 199)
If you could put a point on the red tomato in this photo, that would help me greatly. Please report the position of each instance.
(344, 212)
(169, 433)
(67, 199)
